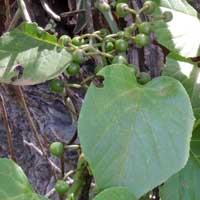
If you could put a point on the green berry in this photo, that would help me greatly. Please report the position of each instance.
(61, 187)
(78, 56)
(56, 85)
(143, 78)
(119, 59)
(109, 46)
(57, 149)
(150, 7)
(103, 6)
(121, 9)
(145, 28)
(128, 31)
(104, 32)
(73, 69)
(77, 41)
(121, 45)
(121, 34)
(167, 16)
(142, 40)
(64, 40)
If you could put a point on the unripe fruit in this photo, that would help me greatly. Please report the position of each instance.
(56, 85)
(150, 7)
(78, 56)
(64, 40)
(109, 46)
(61, 187)
(145, 28)
(57, 149)
(121, 34)
(167, 16)
(104, 32)
(142, 40)
(119, 59)
(103, 6)
(73, 69)
(121, 9)
(121, 45)
(77, 41)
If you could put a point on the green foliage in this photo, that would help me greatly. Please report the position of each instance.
(185, 184)
(14, 184)
(115, 193)
(181, 35)
(188, 74)
(135, 131)
(27, 56)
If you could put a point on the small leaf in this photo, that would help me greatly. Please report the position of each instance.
(14, 184)
(132, 135)
(179, 35)
(115, 193)
(29, 55)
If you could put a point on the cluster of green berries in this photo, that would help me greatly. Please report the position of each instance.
(114, 45)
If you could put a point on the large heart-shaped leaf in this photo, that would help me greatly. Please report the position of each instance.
(189, 75)
(115, 193)
(182, 33)
(29, 55)
(14, 184)
(132, 135)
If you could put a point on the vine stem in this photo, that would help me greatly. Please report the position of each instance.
(15, 19)
(79, 181)
(24, 11)
(108, 16)
(8, 130)
(50, 12)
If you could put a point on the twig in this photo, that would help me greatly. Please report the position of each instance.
(90, 24)
(50, 12)
(33, 127)
(14, 20)
(24, 12)
(73, 12)
(31, 145)
(31, 122)
(8, 15)
(8, 130)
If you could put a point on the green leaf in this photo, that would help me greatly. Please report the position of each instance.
(185, 184)
(181, 35)
(132, 135)
(189, 75)
(36, 51)
(115, 193)
(13, 183)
